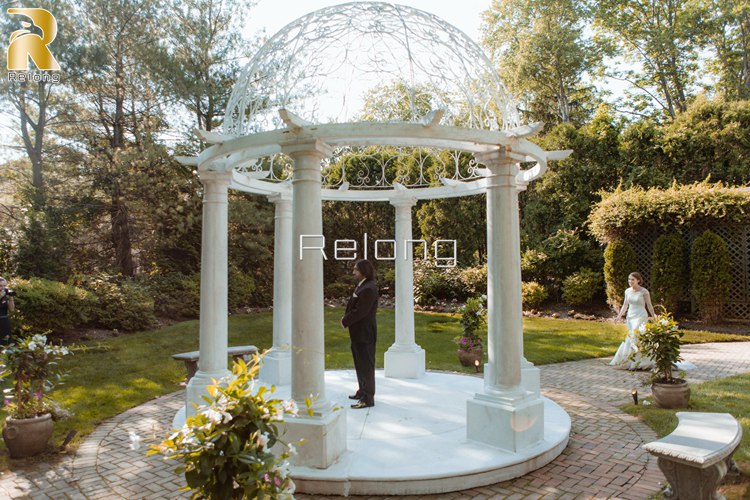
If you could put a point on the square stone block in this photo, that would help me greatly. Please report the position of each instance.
(404, 364)
(277, 368)
(324, 438)
(510, 425)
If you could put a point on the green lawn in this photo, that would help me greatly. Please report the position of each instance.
(728, 395)
(113, 375)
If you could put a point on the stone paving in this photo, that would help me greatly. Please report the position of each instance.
(603, 458)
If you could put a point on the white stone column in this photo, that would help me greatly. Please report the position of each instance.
(277, 364)
(404, 359)
(530, 374)
(505, 414)
(325, 431)
(214, 311)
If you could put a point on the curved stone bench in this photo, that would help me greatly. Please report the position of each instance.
(695, 457)
(191, 358)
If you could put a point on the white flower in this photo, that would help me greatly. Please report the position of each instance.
(291, 407)
(642, 328)
(135, 440)
(292, 449)
(32, 345)
(647, 403)
(262, 441)
(664, 322)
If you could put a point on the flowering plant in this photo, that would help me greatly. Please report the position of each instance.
(31, 366)
(473, 315)
(226, 446)
(660, 339)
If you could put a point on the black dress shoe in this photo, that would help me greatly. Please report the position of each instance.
(362, 404)
(355, 396)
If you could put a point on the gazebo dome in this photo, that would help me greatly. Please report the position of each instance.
(327, 66)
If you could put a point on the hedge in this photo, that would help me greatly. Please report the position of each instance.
(619, 262)
(710, 274)
(623, 214)
(667, 271)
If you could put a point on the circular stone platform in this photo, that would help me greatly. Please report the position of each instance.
(413, 441)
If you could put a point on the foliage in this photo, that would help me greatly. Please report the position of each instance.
(710, 274)
(123, 304)
(533, 294)
(542, 53)
(626, 213)
(473, 315)
(658, 38)
(432, 283)
(667, 270)
(660, 339)
(459, 219)
(579, 288)
(226, 446)
(240, 287)
(338, 290)
(31, 366)
(619, 262)
(44, 305)
(474, 280)
(175, 295)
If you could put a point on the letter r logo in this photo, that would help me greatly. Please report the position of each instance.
(31, 41)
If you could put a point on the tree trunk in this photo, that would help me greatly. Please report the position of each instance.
(121, 239)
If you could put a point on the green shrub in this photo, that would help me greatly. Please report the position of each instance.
(176, 295)
(474, 280)
(432, 283)
(710, 274)
(122, 303)
(532, 294)
(241, 286)
(579, 288)
(667, 272)
(619, 262)
(338, 290)
(534, 265)
(43, 305)
(387, 279)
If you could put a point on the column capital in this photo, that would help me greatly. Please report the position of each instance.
(285, 197)
(308, 148)
(403, 201)
(219, 177)
(497, 158)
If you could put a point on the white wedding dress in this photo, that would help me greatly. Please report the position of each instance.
(635, 318)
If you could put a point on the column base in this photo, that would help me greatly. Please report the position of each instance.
(277, 367)
(197, 388)
(512, 424)
(404, 362)
(324, 438)
(530, 377)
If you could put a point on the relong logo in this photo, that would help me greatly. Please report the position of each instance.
(32, 41)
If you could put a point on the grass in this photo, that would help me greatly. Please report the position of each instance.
(113, 375)
(727, 395)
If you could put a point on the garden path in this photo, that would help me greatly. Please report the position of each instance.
(603, 458)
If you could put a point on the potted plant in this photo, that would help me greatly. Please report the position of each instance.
(660, 339)
(226, 448)
(32, 369)
(473, 315)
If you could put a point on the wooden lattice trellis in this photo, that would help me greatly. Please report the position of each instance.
(738, 244)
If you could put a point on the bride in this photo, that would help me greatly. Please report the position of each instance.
(637, 303)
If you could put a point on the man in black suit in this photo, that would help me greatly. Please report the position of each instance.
(363, 331)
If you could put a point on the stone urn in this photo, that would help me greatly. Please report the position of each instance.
(675, 394)
(471, 356)
(27, 436)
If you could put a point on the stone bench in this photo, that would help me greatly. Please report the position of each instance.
(695, 457)
(191, 358)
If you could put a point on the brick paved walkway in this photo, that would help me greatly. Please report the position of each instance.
(602, 460)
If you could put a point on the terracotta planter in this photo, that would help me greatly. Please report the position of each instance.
(676, 395)
(27, 436)
(469, 358)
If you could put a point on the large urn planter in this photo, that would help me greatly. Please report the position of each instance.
(674, 394)
(470, 357)
(27, 437)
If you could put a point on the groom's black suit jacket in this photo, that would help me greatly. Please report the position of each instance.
(360, 313)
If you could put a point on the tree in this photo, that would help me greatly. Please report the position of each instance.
(199, 57)
(657, 38)
(543, 56)
(726, 29)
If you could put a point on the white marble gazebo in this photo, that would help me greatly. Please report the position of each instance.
(297, 108)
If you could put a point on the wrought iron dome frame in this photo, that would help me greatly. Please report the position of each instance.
(457, 104)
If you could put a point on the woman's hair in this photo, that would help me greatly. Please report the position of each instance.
(637, 276)
(366, 268)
